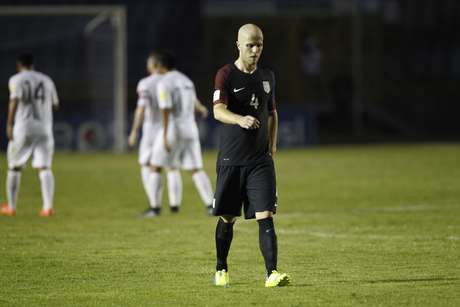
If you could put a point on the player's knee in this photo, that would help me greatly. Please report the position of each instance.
(228, 218)
(263, 215)
(16, 169)
(42, 169)
(194, 171)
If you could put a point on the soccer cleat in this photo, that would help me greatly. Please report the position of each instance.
(174, 209)
(47, 212)
(277, 280)
(221, 278)
(151, 212)
(7, 210)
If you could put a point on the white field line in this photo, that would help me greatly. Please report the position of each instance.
(330, 235)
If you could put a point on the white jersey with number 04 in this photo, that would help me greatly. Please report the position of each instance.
(177, 92)
(36, 96)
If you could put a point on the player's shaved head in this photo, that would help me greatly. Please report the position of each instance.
(250, 44)
(249, 31)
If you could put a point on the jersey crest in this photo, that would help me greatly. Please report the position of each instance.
(266, 85)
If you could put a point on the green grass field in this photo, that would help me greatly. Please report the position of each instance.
(357, 226)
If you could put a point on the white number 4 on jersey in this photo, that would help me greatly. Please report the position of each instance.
(254, 101)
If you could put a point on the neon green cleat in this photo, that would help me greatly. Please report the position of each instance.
(221, 278)
(277, 280)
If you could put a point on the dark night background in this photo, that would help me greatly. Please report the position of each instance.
(387, 72)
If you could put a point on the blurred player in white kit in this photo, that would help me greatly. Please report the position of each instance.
(178, 143)
(147, 115)
(30, 132)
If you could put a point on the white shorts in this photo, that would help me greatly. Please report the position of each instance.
(162, 158)
(146, 147)
(190, 154)
(23, 146)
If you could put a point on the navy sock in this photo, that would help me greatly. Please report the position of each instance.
(268, 244)
(224, 236)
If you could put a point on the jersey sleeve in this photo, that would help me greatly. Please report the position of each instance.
(164, 96)
(15, 89)
(271, 105)
(143, 95)
(221, 86)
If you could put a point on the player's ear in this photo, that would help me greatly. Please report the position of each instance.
(237, 45)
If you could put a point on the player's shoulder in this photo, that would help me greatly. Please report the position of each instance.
(183, 78)
(15, 78)
(171, 77)
(226, 69)
(266, 71)
(44, 77)
(143, 81)
(224, 73)
(147, 82)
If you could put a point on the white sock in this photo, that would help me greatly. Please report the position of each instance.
(13, 181)
(154, 189)
(174, 188)
(145, 174)
(47, 184)
(203, 185)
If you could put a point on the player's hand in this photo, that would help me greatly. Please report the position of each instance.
(9, 132)
(132, 139)
(249, 122)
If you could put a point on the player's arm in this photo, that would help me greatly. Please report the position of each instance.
(165, 123)
(201, 109)
(222, 114)
(12, 108)
(165, 104)
(220, 100)
(137, 122)
(273, 131)
(54, 96)
(15, 95)
(272, 119)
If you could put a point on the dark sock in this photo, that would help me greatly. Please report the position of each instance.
(268, 244)
(224, 236)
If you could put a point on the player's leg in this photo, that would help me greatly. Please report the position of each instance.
(227, 205)
(261, 189)
(145, 154)
(223, 237)
(42, 160)
(160, 159)
(192, 161)
(18, 152)
(175, 189)
(13, 181)
(154, 188)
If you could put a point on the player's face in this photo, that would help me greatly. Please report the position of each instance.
(251, 49)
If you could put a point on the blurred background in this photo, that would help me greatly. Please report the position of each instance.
(348, 71)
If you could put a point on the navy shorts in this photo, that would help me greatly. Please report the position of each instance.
(251, 187)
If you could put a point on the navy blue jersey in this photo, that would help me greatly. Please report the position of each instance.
(244, 94)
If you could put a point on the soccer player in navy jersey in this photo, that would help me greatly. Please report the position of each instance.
(244, 104)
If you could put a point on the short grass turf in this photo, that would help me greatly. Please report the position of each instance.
(357, 226)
